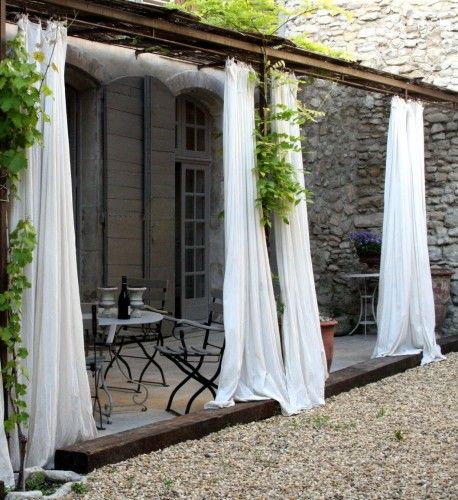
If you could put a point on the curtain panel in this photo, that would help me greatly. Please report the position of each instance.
(405, 316)
(59, 399)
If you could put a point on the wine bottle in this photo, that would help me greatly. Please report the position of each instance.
(123, 301)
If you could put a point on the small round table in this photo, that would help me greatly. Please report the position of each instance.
(367, 293)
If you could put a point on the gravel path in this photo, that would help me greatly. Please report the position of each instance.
(393, 439)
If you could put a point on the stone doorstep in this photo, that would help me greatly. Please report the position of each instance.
(88, 455)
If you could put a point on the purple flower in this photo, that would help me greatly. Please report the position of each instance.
(366, 243)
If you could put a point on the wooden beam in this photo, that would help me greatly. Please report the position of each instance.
(86, 456)
(294, 58)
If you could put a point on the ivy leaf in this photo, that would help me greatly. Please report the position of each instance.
(39, 56)
(14, 161)
(9, 425)
(22, 352)
(46, 90)
(9, 102)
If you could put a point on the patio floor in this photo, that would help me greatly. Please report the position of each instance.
(127, 415)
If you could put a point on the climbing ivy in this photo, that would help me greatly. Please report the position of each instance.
(264, 17)
(22, 243)
(278, 187)
(21, 85)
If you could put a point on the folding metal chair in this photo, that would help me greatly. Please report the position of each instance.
(191, 358)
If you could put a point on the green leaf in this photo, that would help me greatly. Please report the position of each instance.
(39, 56)
(46, 90)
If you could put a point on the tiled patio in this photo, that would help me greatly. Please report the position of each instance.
(348, 351)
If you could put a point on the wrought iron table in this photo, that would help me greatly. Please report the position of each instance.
(367, 286)
(114, 325)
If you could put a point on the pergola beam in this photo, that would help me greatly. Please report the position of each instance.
(182, 28)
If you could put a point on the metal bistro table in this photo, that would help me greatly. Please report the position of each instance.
(367, 293)
(114, 325)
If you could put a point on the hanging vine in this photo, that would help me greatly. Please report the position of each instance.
(264, 17)
(21, 87)
(279, 189)
(277, 182)
(20, 108)
(22, 243)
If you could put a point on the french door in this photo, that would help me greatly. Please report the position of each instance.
(194, 240)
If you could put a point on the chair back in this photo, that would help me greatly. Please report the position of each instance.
(215, 307)
(215, 314)
(156, 291)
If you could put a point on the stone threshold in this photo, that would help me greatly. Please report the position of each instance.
(88, 455)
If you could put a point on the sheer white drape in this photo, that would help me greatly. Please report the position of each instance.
(6, 468)
(59, 396)
(304, 357)
(252, 367)
(405, 318)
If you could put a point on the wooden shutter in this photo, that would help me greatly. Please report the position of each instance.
(160, 228)
(140, 181)
(124, 163)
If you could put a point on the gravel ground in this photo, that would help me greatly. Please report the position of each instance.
(393, 439)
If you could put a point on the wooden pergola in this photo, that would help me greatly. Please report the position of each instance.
(178, 35)
(174, 34)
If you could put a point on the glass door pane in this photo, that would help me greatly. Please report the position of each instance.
(194, 266)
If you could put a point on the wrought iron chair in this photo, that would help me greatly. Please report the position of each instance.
(94, 363)
(190, 358)
(143, 336)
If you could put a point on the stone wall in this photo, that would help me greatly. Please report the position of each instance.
(413, 38)
(346, 148)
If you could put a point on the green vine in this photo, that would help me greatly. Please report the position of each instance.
(279, 189)
(21, 87)
(20, 108)
(22, 243)
(277, 183)
(263, 17)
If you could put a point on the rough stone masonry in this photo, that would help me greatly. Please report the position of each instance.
(345, 150)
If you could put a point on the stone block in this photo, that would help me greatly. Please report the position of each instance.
(451, 219)
(435, 254)
(451, 252)
(369, 220)
(436, 117)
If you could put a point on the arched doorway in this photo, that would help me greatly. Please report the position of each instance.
(193, 162)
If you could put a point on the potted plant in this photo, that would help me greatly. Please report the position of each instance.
(328, 329)
(368, 247)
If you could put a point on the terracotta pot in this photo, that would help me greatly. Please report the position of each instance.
(372, 261)
(441, 278)
(328, 329)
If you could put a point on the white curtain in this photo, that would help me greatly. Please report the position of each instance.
(405, 318)
(305, 360)
(58, 395)
(6, 468)
(252, 367)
